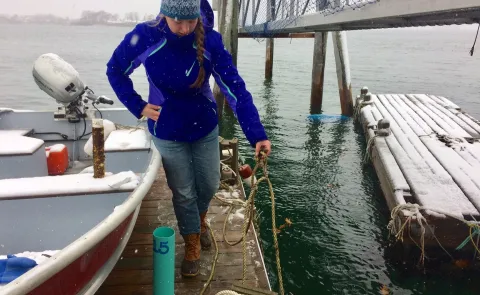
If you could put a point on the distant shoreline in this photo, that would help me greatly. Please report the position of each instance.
(77, 24)
(88, 18)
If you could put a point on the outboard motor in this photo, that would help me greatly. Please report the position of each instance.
(62, 82)
(58, 78)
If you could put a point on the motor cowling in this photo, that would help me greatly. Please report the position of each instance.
(58, 78)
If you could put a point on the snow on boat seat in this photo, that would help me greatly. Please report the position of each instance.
(20, 132)
(74, 184)
(14, 143)
(127, 148)
(21, 156)
(127, 140)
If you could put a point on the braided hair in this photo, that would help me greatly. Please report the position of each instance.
(199, 40)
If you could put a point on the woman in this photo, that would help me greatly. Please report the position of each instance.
(180, 50)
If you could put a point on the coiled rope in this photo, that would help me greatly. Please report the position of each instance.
(260, 162)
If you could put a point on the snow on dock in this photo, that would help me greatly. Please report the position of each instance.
(427, 153)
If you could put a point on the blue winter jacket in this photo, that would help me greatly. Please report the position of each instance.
(171, 65)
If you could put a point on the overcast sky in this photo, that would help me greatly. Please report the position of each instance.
(73, 8)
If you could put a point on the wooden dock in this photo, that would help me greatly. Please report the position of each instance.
(133, 272)
(427, 153)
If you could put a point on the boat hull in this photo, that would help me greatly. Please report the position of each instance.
(73, 278)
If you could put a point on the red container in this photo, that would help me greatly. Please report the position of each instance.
(245, 171)
(57, 159)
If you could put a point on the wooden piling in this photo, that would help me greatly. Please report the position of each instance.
(217, 93)
(343, 72)
(318, 68)
(318, 71)
(269, 59)
(228, 28)
(98, 141)
(215, 5)
(270, 43)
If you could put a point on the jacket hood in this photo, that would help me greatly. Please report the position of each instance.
(208, 17)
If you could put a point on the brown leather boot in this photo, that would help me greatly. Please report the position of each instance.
(190, 263)
(204, 234)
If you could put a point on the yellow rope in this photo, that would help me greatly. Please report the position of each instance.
(358, 108)
(471, 237)
(369, 149)
(261, 162)
(214, 262)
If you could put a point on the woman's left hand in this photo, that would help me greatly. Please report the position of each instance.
(264, 145)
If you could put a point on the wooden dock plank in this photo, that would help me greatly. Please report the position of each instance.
(432, 186)
(411, 121)
(411, 117)
(460, 164)
(471, 130)
(463, 175)
(420, 117)
(469, 152)
(409, 126)
(454, 109)
(473, 149)
(134, 270)
(439, 117)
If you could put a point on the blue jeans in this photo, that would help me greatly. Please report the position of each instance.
(193, 174)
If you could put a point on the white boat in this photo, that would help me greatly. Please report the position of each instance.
(71, 225)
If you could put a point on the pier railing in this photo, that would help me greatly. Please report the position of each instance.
(270, 17)
(267, 18)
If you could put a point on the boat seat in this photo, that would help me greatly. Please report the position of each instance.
(20, 155)
(21, 132)
(14, 142)
(67, 185)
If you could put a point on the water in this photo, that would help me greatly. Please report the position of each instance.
(338, 241)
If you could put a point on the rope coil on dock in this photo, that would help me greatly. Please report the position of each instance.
(261, 162)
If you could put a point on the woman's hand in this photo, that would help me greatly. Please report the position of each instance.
(151, 111)
(264, 145)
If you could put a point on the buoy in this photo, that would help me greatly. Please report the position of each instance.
(245, 171)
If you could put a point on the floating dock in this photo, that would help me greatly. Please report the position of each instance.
(426, 152)
(133, 273)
